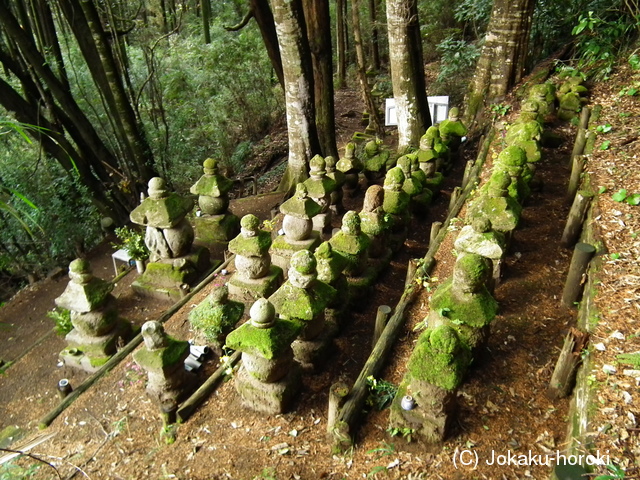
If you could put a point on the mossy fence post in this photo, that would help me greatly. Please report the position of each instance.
(582, 254)
(575, 219)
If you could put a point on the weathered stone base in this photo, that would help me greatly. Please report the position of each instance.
(90, 353)
(171, 279)
(282, 250)
(248, 291)
(267, 370)
(269, 398)
(214, 230)
(431, 417)
(397, 239)
(360, 287)
(311, 354)
(379, 264)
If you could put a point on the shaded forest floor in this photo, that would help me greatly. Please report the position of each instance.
(112, 430)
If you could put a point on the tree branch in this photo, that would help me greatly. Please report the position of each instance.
(34, 457)
(242, 24)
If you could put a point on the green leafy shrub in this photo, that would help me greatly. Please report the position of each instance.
(132, 242)
(62, 318)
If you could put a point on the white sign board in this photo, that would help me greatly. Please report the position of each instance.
(438, 108)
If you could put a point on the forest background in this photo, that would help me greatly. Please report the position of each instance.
(97, 97)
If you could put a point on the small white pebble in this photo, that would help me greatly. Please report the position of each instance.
(224, 271)
(617, 335)
(627, 397)
(600, 347)
(610, 369)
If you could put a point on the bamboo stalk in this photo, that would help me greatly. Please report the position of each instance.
(202, 393)
(579, 144)
(575, 178)
(576, 217)
(582, 254)
(585, 114)
(570, 358)
(381, 321)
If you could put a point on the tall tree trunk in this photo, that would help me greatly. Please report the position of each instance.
(375, 48)
(298, 80)
(318, 21)
(374, 116)
(341, 46)
(206, 18)
(107, 76)
(407, 72)
(501, 63)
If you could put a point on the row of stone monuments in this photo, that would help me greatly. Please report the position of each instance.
(462, 308)
(298, 286)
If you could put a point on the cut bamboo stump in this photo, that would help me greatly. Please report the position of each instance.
(573, 226)
(582, 254)
(337, 395)
(570, 358)
(411, 271)
(381, 321)
(435, 229)
(454, 197)
(201, 394)
(579, 144)
(590, 142)
(585, 114)
(576, 172)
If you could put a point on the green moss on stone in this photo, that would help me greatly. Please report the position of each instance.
(215, 320)
(269, 343)
(164, 357)
(476, 310)
(164, 212)
(302, 304)
(440, 358)
(251, 246)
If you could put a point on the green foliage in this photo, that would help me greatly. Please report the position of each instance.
(381, 393)
(617, 473)
(62, 318)
(457, 63)
(132, 242)
(634, 61)
(215, 99)
(47, 212)
(622, 195)
(404, 432)
(500, 110)
(600, 37)
(13, 471)
(475, 13)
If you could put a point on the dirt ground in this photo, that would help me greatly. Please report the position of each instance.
(112, 431)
